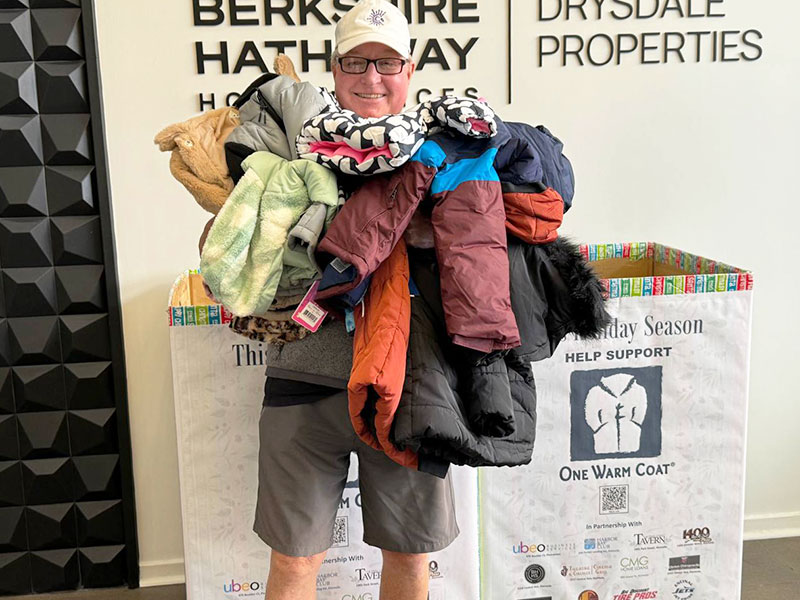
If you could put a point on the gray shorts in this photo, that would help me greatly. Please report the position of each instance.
(303, 459)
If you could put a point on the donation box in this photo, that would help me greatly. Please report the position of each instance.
(635, 490)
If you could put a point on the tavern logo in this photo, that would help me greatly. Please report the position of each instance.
(615, 413)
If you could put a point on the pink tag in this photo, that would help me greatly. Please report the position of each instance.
(309, 314)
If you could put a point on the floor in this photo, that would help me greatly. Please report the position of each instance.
(771, 571)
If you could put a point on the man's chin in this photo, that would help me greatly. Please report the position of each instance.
(370, 112)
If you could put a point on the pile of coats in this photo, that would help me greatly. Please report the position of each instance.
(433, 234)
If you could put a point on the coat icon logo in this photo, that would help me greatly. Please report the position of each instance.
(616, 413)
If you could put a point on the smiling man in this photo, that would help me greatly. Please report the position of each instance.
(306, 437)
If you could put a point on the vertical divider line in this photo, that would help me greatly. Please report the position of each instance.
(509, 51)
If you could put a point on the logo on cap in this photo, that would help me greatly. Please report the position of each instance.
(377, 17)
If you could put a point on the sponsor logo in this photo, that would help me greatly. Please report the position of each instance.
(615, 413)
(359, 596)
(366, 575)
(683, 590)
(698, 535)
(601, 544)
(543, 549)
(236, 586)
(534, 573)
(588, 595)
(641, 540)
(326, 581)
(678, 564)
(433, 570)
(636, 564)
(636, 594)
(585, 572)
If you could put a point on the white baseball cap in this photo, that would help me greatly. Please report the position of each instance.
(373, 21)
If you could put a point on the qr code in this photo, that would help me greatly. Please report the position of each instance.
(613, 499)
(341, 538)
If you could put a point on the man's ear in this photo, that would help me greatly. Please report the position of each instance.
(412, 66)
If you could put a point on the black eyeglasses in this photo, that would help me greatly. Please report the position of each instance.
(355, 65)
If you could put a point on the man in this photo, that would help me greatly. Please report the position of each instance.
(305, 433)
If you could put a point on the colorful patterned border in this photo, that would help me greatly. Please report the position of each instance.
(710, 275)
(187, 316)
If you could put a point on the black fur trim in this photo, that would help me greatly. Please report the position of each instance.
(590, 317)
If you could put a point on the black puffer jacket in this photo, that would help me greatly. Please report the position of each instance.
(553, 293)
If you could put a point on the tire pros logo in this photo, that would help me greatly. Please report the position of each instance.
(534, 573)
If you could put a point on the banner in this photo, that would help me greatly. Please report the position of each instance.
(635, 491)
(218, 379)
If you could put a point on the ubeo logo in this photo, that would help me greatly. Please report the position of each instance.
(235, 586)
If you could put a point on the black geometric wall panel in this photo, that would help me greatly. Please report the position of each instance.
(9, 444)
(23, 192)
(77, 240)
(98, 477)
(13, 535)
(66, 139)
(40, 387)
(18, 89)
(85, 338)
(62, 87)
(25, 242)
(54, 570)
(30, 292)
(43, 434)
(54, 3)
(33, 340)
(100, 523)
(57, 34)
(15, 573)
(102, 566)
(51, 526)
(6, 391)
(69, 190)
(80, 289)
(5, 346)
(48, 480)
(89, 385)
(11, 484)
(67, 511)
(20, 140)
(15, 35)
(93, 431)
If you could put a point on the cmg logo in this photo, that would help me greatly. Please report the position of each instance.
(364, 596)
(640, 562)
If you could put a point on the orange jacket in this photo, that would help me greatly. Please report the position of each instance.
(379, 356)
(534, 217)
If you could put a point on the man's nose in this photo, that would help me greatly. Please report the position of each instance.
(371, 74)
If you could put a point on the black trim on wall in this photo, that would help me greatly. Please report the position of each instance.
(112, 288)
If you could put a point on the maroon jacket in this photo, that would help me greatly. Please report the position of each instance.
(469, 231)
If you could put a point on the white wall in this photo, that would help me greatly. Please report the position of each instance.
(700, 156)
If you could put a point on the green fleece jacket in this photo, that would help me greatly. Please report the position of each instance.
(243, 257)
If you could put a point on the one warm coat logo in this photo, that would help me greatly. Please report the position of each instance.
(616, 413)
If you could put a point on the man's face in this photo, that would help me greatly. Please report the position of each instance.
(371, 94)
